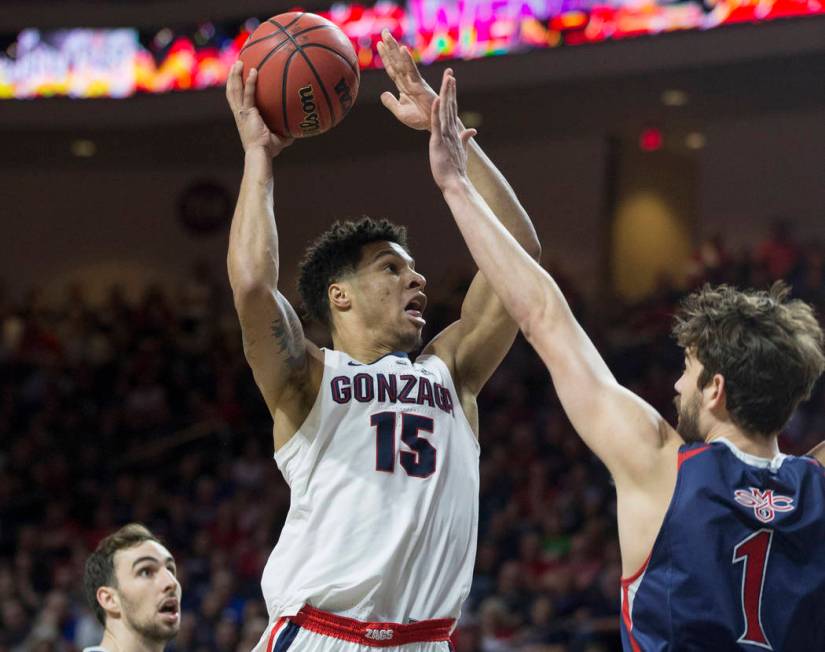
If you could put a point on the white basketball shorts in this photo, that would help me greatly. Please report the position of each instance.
(313, 630)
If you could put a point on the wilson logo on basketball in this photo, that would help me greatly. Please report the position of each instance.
(344, 94)
(310, 123)
(765, 503)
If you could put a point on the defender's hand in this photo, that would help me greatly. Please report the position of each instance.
(251, 127)
(448, 140)
(415, 98)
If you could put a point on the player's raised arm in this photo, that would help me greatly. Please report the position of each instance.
(617, 425)
(273, 338)
(475, 345)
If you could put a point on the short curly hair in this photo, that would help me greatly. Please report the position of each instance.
(335, 253)
(768, 348)
(100, 566)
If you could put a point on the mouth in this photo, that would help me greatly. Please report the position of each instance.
(415, 309)
(170, 610)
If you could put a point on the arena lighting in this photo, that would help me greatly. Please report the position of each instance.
(695, 140)
(674, 97)
(83, 148)
(471, 119)
(651, 139)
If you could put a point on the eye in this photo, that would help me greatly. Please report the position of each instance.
(392, 267)
(146, 571)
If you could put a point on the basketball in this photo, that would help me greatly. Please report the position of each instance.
(308, 73)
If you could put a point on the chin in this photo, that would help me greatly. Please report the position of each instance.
(408, 341)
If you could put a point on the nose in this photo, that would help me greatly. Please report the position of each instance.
(170, 581)
(417, 280)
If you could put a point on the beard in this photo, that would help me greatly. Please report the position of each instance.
(687, 424)
(146, 627)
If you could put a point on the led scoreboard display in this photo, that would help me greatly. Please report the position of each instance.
(86, 63)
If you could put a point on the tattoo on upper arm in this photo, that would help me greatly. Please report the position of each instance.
(287, 336)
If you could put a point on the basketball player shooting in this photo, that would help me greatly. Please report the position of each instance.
(380, 451)
(721, 535)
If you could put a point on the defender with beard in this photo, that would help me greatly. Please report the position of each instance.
(131, 584)
(380, 451)
(722, 537)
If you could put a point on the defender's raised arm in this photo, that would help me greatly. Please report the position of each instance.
(611, 420)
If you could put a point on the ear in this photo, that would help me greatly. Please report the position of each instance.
(340, 296)
(716, 393)
(109, 600)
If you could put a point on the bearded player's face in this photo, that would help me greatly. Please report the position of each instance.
(689, 401)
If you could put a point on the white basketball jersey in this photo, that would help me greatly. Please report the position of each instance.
(384, 484)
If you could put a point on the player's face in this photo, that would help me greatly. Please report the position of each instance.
(389, 296)
(148, 591)
(689, 401)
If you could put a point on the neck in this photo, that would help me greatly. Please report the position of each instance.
(767, 447)
(120, 639)
(362, 346)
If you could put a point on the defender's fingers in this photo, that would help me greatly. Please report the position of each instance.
(391, 102)
(388, 50)
(466, 135)
(435, 119)
(444, 96)
(409, 62)
(249, 89)
(442, 92)
(453, 99)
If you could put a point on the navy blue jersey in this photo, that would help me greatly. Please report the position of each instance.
(739, 563)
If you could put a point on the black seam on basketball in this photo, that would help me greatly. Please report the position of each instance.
(270, 53)
(268, 36)
(284, 42)
(299, 48)
(290, 23)
(334, 51)
(283, 93)
(261, 40)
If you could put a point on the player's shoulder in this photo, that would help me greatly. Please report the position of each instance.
(688, 451)
(431, 362)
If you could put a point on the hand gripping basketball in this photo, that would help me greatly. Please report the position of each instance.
(308, 73)
(251, 127)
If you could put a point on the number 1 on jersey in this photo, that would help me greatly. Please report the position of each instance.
(421, 462)
(753, 552)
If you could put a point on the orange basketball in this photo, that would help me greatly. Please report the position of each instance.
(308, 73)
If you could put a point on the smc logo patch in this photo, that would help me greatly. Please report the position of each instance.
(765, 503)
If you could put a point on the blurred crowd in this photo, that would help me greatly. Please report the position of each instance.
(146, 411)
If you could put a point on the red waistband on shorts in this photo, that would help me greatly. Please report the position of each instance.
(373, 634)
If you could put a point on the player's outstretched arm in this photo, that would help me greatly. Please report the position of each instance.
(475, 345)
(273, 338)
(624, 431)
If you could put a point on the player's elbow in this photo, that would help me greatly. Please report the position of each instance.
(533, 321)
(250, 278)
(250, 292)
(538, 316)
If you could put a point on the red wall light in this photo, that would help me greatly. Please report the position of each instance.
(650, 139)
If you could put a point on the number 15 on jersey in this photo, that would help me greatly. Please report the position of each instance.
(420, 460)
